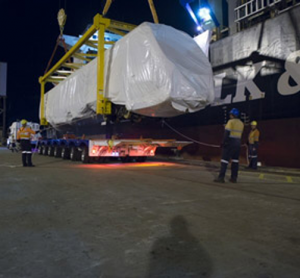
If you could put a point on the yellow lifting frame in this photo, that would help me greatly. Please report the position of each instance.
(103, 104)
(43, 120)
(100, 24)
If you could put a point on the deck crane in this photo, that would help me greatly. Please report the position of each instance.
(151, 5)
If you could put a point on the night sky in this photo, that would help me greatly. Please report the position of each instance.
(29, 30)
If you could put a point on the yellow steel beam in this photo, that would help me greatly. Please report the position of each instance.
(153, 11)
(73, 65)
(116, 31)
(103, 105)
(87, 54)
(91, 44)
(55, 79)
(90, 55)
(73, 50)
(64, 72)
(106, 7)
(121, 25)
(43, 120)
(76, 55)
(101, 21)
(109, 42)
(81, 54)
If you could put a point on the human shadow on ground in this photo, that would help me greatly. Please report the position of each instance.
(179, 255)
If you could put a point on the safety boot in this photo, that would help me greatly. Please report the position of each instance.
(24, 160)
(29, 161)
(219, 179)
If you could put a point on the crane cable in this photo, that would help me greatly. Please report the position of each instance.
(106, 7)
(153, 11)
(150, 2)
(202, 143)
(191, 139)
(61, 18)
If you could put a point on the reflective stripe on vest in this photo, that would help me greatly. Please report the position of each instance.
(25, 133)
(235, 128)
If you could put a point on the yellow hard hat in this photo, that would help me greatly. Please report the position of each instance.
(254, 123)
(23, 122)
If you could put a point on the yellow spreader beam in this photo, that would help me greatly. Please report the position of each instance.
(58, 72)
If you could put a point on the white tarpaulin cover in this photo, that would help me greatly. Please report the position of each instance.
(203, 40)
(155, 70)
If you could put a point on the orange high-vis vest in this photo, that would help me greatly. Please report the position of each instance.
(24, 133)
(253, 136)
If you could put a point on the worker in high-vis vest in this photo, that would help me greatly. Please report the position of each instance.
(253, 140)
(231, 146)
(24, 137)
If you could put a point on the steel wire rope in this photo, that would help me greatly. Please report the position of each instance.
(191, 139)
(202, 143)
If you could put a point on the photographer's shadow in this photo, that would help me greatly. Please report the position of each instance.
(179, 255)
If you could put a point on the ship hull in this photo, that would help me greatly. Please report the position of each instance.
(279, 142)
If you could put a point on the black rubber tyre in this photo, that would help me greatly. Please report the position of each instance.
(84, 157)
(40, 149)
(74, 154)
(57, 151)
(45, 150)
(50, 151)
(101, 159)
(65, 153)
(126, 159)
(141, 158)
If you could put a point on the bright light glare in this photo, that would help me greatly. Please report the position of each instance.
(204, 14)
(129, 165)
(199, 28)
(189, 9)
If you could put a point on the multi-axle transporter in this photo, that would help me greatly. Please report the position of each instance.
(99, 149)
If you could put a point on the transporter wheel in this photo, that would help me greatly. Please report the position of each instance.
(101, 159)
(50, 151)
(65, 153)
(74, 154)
(126, 159)
(45, 150)
(57, 151)
(98, 159)
(40, 149)
(85, 155)
(141, 158)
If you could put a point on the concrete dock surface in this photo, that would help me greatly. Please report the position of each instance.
(152, 219)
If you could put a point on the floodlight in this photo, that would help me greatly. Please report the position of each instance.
(204, 14)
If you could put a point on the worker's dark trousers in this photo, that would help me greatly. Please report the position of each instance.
(230, 151)
(26, 152)
(252, 154)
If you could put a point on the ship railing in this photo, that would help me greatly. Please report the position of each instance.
(253, 7)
